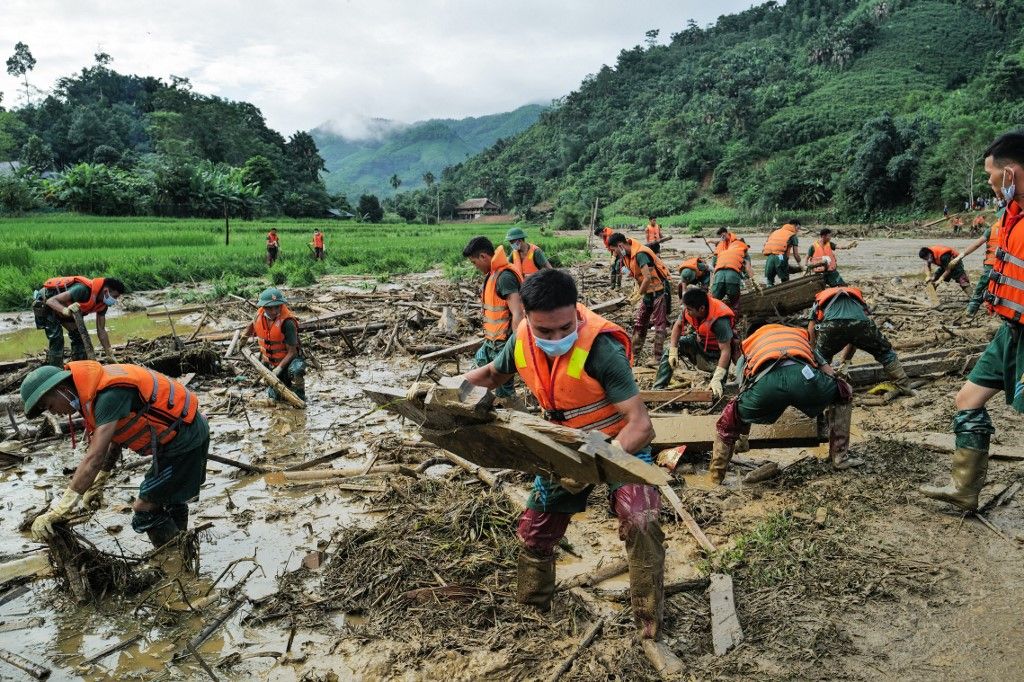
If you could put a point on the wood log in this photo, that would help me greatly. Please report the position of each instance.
(469, 346)
(184, 310)
(601, 573)
(251, 468)
(788, 298)
(317, 461)
(272, 381)
(234, 343)
(34, 670)
(677, 396)
(665, 663)
(327, 475)
(726, 632)
(688, 520)
(90, 352)
(915, 366)
(352, 329)
(697, 432)
(766, 471)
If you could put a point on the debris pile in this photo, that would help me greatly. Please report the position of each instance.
(90, 574)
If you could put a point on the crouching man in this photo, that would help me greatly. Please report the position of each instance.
(133, 407)
(577, 364)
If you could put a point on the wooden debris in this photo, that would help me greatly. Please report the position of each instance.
(210, 628)
(666, 664)
(21, 624)
(116, 646)
(251, 468)
(272, 381)
(469, 346)
(600, 573)
(327, 475)
(317, 461)
(725, 626)
(946, 442)
(762, 473)
(697, 432)
(783, 299)
(36, 564)
(588, 637)
(683, 395)
(688, 520)
(34, 670)
(234, 342)
(90, 352)
(943, 362)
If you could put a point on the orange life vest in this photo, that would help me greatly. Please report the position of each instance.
(605, 235)
(938, 251)
(823, 299)
(167, 404)
(773, 342)
(271, 334)
(272, 241)
(95, 304)
(992, 244)
(778, 241)
(1005, 295)
(318, 240)
(732, 258)
(696, 264)
(567, 394)
(724, 243)
(527, 266)
(716, 311)
(653, 233)
(819, 251)
(497, 316)
(661, 275)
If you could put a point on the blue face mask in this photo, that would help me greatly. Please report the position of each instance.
(553, 349)
(1009, 191)
(109, 300)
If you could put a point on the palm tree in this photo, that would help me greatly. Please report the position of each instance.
(395, 181)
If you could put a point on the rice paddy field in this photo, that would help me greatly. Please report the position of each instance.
(152, 253)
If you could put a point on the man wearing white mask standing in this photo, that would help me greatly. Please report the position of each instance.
(576, 363)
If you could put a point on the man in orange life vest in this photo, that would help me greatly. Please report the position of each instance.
(277, 330)
(732, 261)
(605, 234)
(780, 245)
(840, 322)
(780, 369)
(1001, 366)
(653, 231)
(502, 306)
(273, 245)
(526, 257)
(694, 272)
(576, 363)
(318, 245)
(947, 265)
(53, 307)
(821, 257)
(709, 347)
(133, 407)
(653, 291)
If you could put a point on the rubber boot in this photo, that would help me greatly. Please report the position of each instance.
(645, 550)
(721, 455)
(665, 373)
(158, 525)
(536, 583)
(178, 514)
(638, 345)
(742, 444)
(970, 466)
(898, 376)
(839, 417)
(55, 358)
(299, 386)
(659, 343)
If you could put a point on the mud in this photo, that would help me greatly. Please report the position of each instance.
(881, 584)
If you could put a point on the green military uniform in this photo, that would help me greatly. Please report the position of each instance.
(608, 365)
(294, 375)
(784, 386)
(50, 322)
(726, 285)
(979, 290)
(845, 322)
(832, 277)
(690, 347)
(507, 285)
(778, 265)
(958, 274)
(1001, 366)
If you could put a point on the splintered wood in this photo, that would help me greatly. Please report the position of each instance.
(726, 632)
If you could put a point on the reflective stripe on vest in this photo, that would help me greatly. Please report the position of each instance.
(778, 241)
(567, 394)
(1005, 294)
(271, 334)
(775, 342)
(716, 310)
(825, 250)
(95, 286)
(167, 404)
(497, 316)
(528, 266)
(823, 300)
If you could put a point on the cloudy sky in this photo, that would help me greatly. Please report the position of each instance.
(305, 62)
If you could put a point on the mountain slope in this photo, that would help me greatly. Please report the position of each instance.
(365, 166)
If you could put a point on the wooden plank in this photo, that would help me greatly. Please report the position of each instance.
(83, 331)
(665, 663)
(688, 520)
(271, 380)
(948, 362)
(790, 297)
(469, 346)
(678, 396)
(946, 442)
(697, 432)
(726, 632)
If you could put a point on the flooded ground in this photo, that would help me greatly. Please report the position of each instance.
(838, 575)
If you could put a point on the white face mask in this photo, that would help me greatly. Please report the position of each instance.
(76, 404)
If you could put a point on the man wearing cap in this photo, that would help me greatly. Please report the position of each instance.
(277, 330)
(605, 234)
(526, 257)
(694, 272)
(54, 305)
(133, 407)
(709, 347)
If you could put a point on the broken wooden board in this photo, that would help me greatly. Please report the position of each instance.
(272, 380)
(676, 396)
(697, 432)
(726, 632)
(794, 296)
(946, 442)
(943, 362)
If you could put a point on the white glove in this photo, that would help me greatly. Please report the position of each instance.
(827, 260)
(717, 389)
(93, 497)
(673, 357)
(72, 309)
(42, 527)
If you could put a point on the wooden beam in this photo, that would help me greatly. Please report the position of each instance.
(787, 298)
(678, 396)
(268, 378)
(726, 632)
(915, 366)
(688, 520)
(946, 442)
(697, 432)
(83, 331)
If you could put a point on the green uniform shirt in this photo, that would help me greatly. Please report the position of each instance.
(842, 308)
(539, 259)
(79, 293)
(606, 363)
(727, 276)
(793, 241)
(722, 331)
(508, 283)
(291, 332)
(114, 404)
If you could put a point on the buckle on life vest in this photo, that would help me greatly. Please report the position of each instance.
(555, 415)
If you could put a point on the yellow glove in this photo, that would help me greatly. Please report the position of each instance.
(717, 389)
(93, 497)
(673, 357)
(757, 287)
(72, 309)
(42, 527)
(635, 296)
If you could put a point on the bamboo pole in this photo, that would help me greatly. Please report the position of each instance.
(271, 380)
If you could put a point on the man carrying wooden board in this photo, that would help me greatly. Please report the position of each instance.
(54, 306)
(577, 365)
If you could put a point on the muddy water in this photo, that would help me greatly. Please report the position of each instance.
(271, 527)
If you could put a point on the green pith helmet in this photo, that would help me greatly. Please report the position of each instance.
(271, 297)
(688, 275)
(36, 385)
(515, 233)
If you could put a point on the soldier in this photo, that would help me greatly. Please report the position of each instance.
(780, 245)
(277, 330)
(54, 306)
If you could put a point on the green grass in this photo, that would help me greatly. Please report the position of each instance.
(151, 253)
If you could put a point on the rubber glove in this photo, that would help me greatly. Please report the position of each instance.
(42, 527)
(673, 357)
(717, 389)
(93, 497)
(635, 296)
(72, 309)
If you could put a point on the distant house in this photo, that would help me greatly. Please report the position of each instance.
(471, 209)
(9, 168)
(543, 210)
(339, 214)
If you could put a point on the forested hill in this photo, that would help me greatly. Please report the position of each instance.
(846, 108)
(361, 166)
